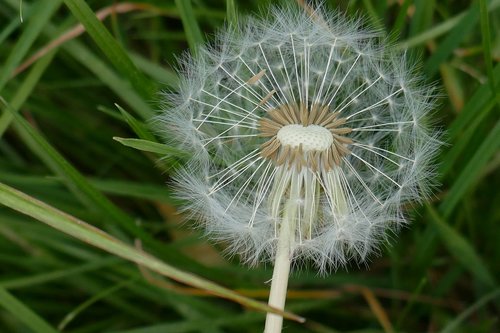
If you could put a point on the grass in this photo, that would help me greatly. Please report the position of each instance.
(78, 155)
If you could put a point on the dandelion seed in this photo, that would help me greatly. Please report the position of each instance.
(307, 134)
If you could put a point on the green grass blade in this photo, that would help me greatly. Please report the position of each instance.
(137, 190)
(231, 12)
(137, 126)
(155, 71)
(473, 108)
(111, 48)
(236, 321)
(471, 171)
(152, 147)
(191, 28)
(451, 42)
(372, 13)
(43, 10)
(439, 29)
(461, 144)
(422, 17)
(454, 325)
(8, 30)
(102, 71)
(30, 281)
(75, 181)
(397, 28)
(119, 187)
(24, 314)
(461, 249)
(110, 78)
(431, 33)
(486, 35)
(97, 297)
(423, 282)
(98, 238)
(24, 91)
(188, 326)
(463, 128)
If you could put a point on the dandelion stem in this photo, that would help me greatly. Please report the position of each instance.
(279, 284)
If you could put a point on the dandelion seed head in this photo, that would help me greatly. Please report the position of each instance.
(305, 116)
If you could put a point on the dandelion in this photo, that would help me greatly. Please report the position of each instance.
(307, 135)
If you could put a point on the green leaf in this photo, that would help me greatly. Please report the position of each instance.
(118, 187)
(23, 313)
(151, 147)
(30, 281)
(461, 249)
(451, 42)
(397, 28)
(193, 32)
(422, 17)
(454, 325)
(486, 35)
(476, 107)
(137, 126)
(236, 321)
(89, 234)
(8, 30)
(231, 12)
(147, 191)
(439, 29)
(372, 13)
(75, 181)
(102, 71)
(25, 90)
(471, 171)
(157, 72)
(462, 142)
(110, 78)
(111, 48)
(434, 32)
(43, 9)
(88, 303)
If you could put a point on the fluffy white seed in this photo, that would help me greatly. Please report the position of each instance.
(292, 58)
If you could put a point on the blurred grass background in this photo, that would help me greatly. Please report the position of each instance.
(65, 142)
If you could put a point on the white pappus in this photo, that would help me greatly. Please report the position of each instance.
(307, 132)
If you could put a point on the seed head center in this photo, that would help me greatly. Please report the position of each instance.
(304, 136)
(312, 137)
